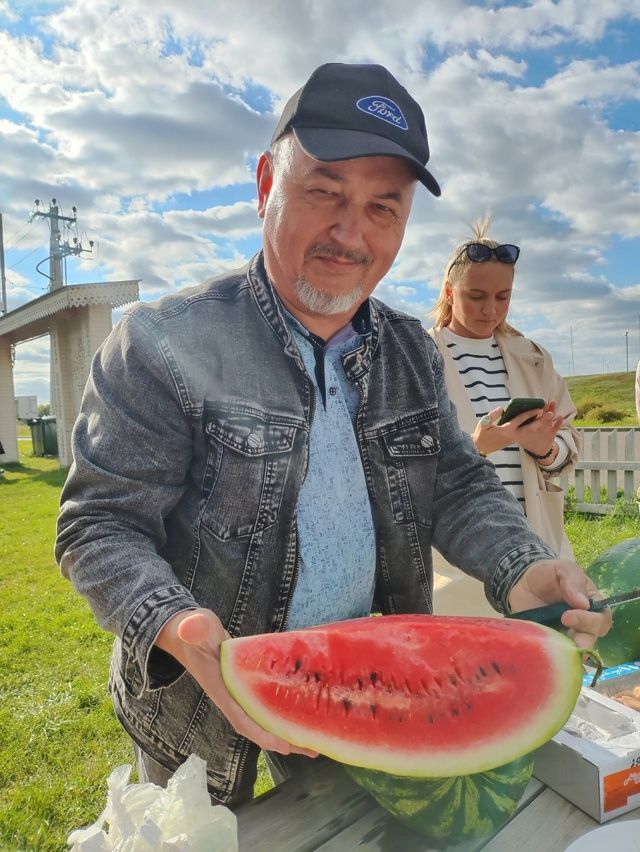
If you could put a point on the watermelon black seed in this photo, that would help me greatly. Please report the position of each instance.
(373, 708)
(318, 677)
(453, 680)
(482, 671)
(455, 712)
(360, 684)
(374, 677)
(297, 664)
(347, 705)
(496, 667)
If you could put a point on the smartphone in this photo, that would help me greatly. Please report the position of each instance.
(517, 406)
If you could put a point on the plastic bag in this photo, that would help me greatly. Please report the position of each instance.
(148, 818)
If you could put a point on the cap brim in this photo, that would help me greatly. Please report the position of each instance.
(332, 145)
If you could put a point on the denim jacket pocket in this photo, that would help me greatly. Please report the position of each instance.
(411, 447)
(248, 455)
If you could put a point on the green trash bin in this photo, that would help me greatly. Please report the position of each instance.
(44, 435)
(49, 435)
(37, 435)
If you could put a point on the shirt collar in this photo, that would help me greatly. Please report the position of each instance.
(360, 325)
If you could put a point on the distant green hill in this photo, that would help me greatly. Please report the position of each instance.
(604, 400)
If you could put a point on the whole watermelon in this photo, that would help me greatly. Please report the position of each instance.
(452, 809)
(617, 570)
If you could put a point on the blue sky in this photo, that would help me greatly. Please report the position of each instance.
(149, 117)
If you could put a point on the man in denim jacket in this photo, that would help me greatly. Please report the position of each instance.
(269, 449)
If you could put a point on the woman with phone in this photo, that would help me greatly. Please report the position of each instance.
(489, 364)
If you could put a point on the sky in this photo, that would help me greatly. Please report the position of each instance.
(149, 116)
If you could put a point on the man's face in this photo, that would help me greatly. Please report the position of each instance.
(331, 230)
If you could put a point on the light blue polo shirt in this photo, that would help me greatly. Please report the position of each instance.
(336, 572)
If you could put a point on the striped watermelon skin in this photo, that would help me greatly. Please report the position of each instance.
(617, 570)
(451, 809)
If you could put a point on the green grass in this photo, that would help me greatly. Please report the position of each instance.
(614, 392)
(59, 739)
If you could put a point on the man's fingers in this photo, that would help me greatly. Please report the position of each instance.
(593, 624)
(195, 629)
(246, 727)
(198, 629)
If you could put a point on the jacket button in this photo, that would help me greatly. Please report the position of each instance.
(426, 441)
(254, 441)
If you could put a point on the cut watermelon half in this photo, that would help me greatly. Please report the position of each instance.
(419, 695)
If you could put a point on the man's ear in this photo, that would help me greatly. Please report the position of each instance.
(264, 180)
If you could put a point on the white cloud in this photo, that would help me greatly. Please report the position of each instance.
(126, 107)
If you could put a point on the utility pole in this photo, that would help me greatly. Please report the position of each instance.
(59, 248)
(573, 363)
(626, 344)
(3, 280)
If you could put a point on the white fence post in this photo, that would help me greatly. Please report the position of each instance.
(609, 454)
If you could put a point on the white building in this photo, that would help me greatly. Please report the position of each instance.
(26, 407)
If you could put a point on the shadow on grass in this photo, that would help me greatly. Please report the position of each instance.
(26, 472)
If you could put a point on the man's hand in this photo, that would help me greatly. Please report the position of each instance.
(194, 637)
(556, 580)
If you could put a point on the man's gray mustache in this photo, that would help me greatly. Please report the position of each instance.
(342, 254)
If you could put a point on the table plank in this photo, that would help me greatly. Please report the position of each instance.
(378, 831)
(548, 823)
(324, 809)
(304, 812)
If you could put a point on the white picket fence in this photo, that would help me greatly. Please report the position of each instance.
(609, 462)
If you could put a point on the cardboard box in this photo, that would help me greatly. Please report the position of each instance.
(600, 777)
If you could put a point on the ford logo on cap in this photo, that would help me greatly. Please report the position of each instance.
(383, 108)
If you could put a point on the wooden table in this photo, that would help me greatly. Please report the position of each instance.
(325, 810)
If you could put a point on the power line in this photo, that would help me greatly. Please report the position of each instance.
(22, 259)
(24, 229)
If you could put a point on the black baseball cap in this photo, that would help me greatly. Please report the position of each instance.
(348, 111)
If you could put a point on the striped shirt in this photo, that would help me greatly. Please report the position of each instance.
(484, 376)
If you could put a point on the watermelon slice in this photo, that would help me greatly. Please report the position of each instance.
(411, 695)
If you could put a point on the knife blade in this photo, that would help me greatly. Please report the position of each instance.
(550, 615)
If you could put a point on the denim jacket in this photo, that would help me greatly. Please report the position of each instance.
(189, 453)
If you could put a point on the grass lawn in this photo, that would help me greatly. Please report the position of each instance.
(610, 396)
(59, 739)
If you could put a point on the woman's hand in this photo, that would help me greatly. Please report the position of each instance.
(194, 637)
(538, 436)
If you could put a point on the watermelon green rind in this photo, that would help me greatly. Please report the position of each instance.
(617, 570)
(453, 809)
(545, 693)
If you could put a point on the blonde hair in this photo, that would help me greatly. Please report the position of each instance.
(455, 271)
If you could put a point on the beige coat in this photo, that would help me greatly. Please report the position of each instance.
(530, 373)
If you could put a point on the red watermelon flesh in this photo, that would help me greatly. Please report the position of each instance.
(419, 695)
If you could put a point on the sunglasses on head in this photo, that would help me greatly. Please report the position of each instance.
(480, 253)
